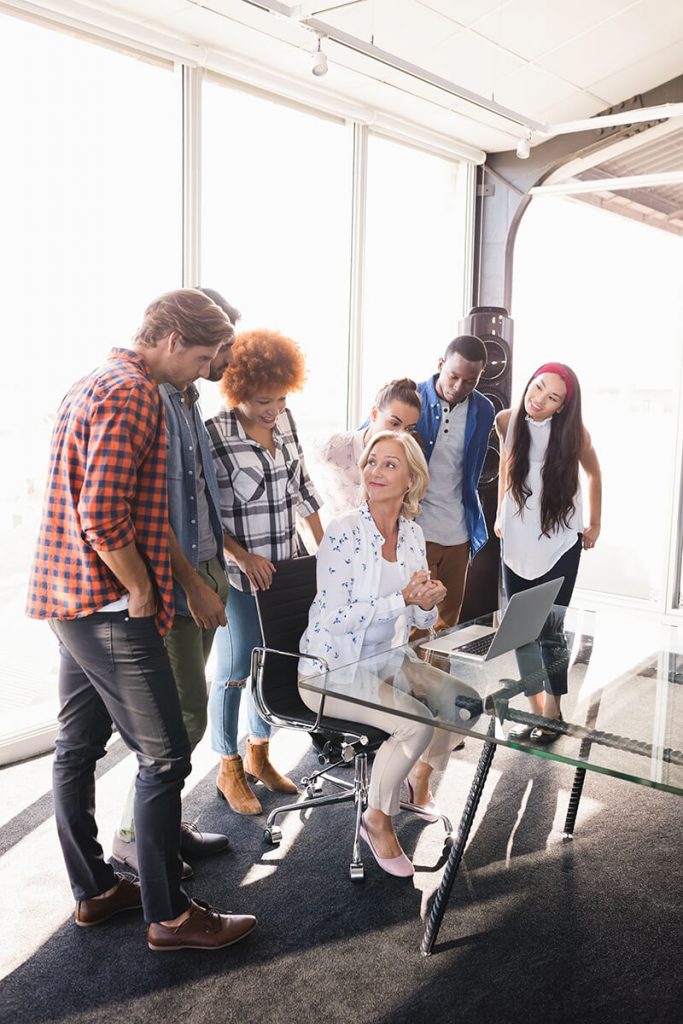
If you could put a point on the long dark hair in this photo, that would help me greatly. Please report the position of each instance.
(560, 473)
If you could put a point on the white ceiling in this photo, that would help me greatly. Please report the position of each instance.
(548, 60)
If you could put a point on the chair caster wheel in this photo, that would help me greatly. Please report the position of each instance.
(357, 872)
(273, 835)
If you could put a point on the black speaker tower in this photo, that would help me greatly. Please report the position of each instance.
(495, 328)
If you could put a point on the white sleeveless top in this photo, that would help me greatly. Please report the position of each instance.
(525, 550)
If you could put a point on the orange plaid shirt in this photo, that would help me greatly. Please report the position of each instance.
(106, 488)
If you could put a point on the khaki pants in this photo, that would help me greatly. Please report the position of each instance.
(448, 564)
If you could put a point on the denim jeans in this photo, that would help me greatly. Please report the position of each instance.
(234, 644)
(188, 648)
(115, 669)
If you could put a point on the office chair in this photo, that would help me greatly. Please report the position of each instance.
(283, 615)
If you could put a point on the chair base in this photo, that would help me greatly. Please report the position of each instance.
(355, 792)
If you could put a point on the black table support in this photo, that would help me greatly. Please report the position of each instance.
(460, 842)
(580, 773)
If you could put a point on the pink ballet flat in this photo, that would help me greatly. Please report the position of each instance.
(429, 818)
(400, 866)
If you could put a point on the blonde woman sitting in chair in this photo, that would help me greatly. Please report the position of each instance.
(373, 587)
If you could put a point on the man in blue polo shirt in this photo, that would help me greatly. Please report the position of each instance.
(454, 425)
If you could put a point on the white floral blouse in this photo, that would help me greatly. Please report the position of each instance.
(349, 566)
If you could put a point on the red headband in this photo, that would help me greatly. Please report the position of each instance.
(561, 371)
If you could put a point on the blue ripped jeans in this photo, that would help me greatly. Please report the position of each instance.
(233, 645)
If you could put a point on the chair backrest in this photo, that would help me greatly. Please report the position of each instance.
(284, 607)
(283, 614)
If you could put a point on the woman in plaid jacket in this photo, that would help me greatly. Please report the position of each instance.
(265, 492)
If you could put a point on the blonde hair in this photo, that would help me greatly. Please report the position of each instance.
(417, 467)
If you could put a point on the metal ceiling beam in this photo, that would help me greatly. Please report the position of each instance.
(637, 115)
(612, 149)
(570, 188)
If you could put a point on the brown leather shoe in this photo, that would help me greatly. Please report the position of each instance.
(257, 765)
(205, 928)
(126, 896)
(233, 787)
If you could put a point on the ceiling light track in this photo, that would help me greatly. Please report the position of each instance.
(391, 60)
(533, 131)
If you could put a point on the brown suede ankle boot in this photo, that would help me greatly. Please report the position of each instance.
(258, 766)
(233, 787)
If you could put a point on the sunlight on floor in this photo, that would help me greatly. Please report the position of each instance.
(37, 897)
(286, 750)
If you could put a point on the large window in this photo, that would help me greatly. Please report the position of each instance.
(276, 234)
(414, 291)
(91, 231)
(604, 294)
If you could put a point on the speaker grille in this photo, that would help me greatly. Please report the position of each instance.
(495, 328)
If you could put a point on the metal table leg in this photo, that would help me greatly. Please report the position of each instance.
(458, 848)
(574, 800)
(580, 773)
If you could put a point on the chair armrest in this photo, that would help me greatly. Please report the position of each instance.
(258, 658)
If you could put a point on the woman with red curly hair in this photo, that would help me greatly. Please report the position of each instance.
(265, 491)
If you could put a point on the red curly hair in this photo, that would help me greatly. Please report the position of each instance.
(261, 362)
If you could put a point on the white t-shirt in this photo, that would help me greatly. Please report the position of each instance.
(379, 636)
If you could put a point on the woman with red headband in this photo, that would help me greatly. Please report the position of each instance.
(541, 519)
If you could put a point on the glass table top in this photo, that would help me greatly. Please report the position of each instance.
(622, 711)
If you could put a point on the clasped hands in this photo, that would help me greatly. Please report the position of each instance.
(423, 591)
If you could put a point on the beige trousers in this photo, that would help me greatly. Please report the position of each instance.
(409, 740)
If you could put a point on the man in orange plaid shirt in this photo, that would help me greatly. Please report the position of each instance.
(102, 577)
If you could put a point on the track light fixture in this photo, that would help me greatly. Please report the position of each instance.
(319, 67)
(524, 147)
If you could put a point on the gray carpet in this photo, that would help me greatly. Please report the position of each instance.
(536, 931)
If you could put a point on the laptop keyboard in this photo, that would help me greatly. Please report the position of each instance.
(479, 646)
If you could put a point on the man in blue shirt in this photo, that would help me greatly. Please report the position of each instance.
(455, 424)
(200, 583)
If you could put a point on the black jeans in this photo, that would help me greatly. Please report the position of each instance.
(543, 663)
(115, 669)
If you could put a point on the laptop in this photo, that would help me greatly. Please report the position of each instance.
(521, 623)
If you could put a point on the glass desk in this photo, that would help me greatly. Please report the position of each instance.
(622, 712)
